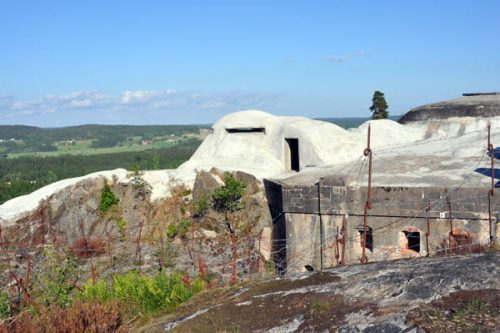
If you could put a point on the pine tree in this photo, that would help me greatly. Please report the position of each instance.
(379, 106)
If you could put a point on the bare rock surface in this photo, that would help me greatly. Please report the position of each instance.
(377, 297)
(470, 105)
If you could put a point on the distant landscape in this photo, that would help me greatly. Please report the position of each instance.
(32, 157)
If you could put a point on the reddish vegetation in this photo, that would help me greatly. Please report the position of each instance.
(80, 317)
(87, 248)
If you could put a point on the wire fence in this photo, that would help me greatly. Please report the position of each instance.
(232, 255)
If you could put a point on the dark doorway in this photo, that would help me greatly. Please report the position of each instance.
(413, 240)
(369, 236)
(292, 154)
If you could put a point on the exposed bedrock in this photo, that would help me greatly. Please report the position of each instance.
(470, 105)
(378, 297)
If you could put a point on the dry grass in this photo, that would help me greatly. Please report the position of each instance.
(89, 317)
(463, 311)
(84, 248)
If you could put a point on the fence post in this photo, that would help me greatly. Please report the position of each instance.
(368, 205)
(428, 231)
(491, 192)
(138, 257)
(450, 235)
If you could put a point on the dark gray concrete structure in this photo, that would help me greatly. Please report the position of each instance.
(308, 222)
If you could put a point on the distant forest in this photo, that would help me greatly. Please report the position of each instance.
(24, 175)
(35, 139)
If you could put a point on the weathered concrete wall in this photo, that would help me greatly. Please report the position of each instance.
(304, 220)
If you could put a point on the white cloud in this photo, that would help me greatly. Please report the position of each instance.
(72, 100)
(136, 103)
(145, 96)
(344, 58)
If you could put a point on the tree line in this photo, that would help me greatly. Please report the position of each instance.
(24, 175)
(36, 139)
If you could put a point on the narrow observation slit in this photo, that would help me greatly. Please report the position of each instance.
(246, 130)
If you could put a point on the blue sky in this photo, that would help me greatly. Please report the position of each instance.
(172, 62)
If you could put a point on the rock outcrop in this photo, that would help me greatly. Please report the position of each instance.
(470, 105)
(378, 297)
(133, 233)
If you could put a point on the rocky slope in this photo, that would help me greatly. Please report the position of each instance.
(470, 105)
(137, 232)
(446, 294)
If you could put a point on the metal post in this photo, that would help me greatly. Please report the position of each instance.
(321, 236)
(337, 250)
(491, 192)
(343, 231)
(428, 231)
(368, 205)
(450, 236)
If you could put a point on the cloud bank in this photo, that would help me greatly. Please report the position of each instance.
(141, 106)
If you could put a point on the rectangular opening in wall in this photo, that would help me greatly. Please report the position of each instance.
(292, 161)
(246, 130)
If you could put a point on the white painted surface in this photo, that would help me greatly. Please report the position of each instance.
(416, 154)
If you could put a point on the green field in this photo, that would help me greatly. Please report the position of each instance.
(20, 141)
(25, 174)
(84, 147)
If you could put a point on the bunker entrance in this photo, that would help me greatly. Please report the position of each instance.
(292, 154)
(413, 238)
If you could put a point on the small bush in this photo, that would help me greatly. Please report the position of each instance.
(56, 281)
(184, 226)
(141, 187)
(80, 317)
(201, 206)
(98, 291)
(121, 224)
(186, 192)
(87, 248)
(180, 229)
(172, 230)
(227, 197)
(148, 294)
(5, 305)
(108, 199)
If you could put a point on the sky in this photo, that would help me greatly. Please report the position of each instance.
(190, 62)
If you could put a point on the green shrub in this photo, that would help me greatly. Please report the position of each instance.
(121, 224)
(147, 294)
(108, 199)
(186, 192)
(201, 206)
(141, 187)
(56, 281)
(99, 292)
(172, 230)
(184, 226)
(227, 197)
(5, 305)
(180, 229)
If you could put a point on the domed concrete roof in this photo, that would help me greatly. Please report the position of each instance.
(470, 105)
